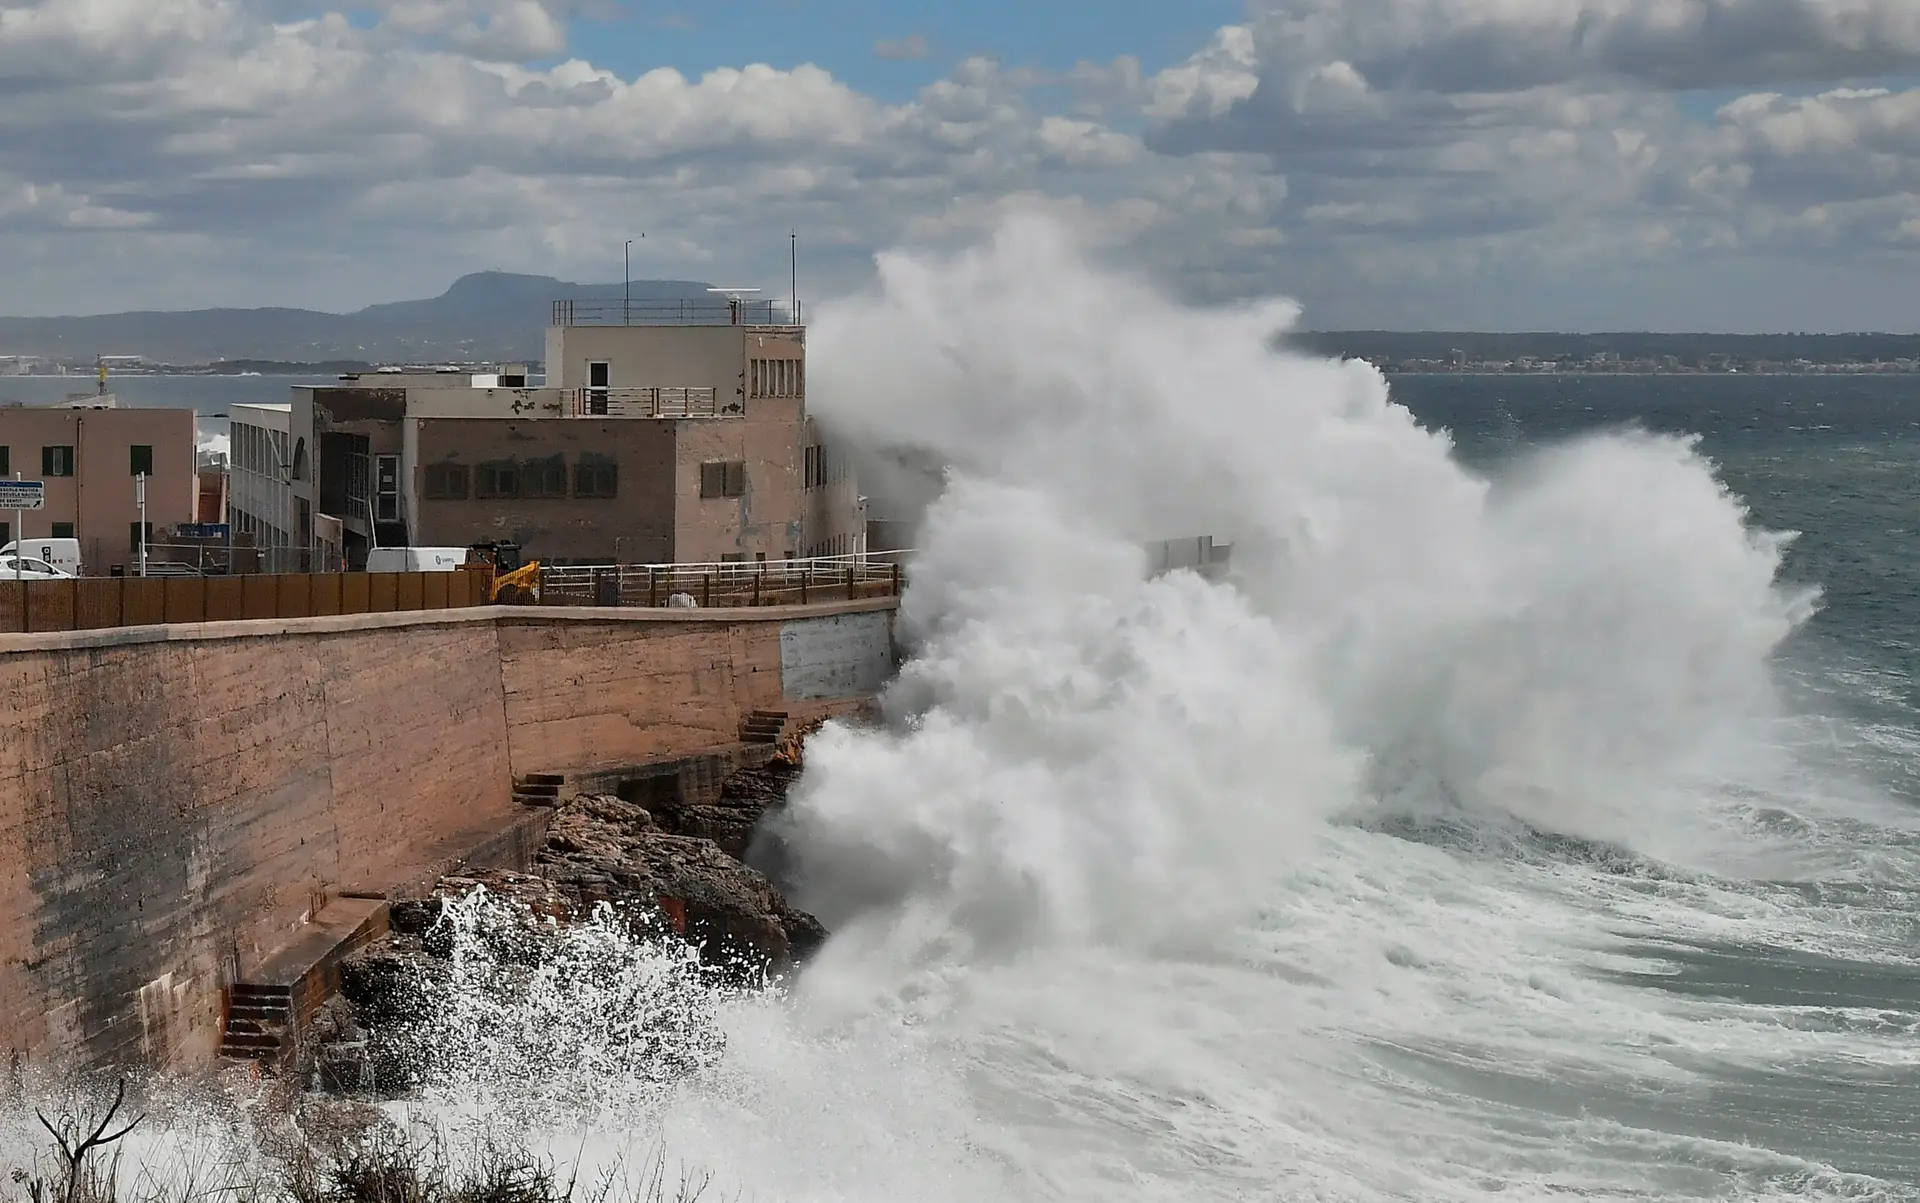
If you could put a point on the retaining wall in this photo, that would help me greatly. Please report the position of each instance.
(178, 804)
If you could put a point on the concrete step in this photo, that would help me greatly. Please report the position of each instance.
(537, 788)
(251, 990)
(548, 800)
(254, 1025)
(247, 1041)
(555, 779)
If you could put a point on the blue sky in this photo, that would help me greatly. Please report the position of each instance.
(840, 35)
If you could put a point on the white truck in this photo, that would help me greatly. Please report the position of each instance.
(416, 559)
(63, 554)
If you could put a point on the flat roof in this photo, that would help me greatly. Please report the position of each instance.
(279, 407)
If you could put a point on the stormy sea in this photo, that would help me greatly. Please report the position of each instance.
(1531, 812)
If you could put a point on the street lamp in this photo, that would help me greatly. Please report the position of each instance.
(626, 282)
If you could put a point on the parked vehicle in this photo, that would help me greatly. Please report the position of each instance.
(63, 554)
(25, 568)
(416, 559)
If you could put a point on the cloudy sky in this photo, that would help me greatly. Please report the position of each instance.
(1494, 164)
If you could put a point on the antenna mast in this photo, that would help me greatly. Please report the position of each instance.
(793, 309)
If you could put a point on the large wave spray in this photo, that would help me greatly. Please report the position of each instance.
(1082, 752)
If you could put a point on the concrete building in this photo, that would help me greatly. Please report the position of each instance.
(271, 489)
(686, 442)
(89, 452)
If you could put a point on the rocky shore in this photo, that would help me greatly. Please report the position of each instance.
(675, 871)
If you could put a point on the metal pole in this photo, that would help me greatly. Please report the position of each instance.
(626, 283)
(19, 536)
(140, 496)
(793, 265)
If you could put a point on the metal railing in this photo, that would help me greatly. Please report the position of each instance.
(725, 584)
(604, 311)
(653, 403)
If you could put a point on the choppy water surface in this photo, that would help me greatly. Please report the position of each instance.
(1527, 821)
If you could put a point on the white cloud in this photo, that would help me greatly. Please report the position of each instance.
(1369, 154)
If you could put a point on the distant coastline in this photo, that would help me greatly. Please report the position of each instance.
(1815, 370)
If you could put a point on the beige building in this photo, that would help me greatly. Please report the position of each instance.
(89, 451)
(687, 442)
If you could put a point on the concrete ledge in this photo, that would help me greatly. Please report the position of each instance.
(260, 628)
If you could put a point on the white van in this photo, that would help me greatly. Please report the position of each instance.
(63, 554)
(416, 559)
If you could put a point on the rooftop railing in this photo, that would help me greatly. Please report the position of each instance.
(654, 403)
(596, 311)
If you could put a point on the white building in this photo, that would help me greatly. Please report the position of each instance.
(269, 475)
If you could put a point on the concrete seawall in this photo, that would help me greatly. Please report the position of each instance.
(180, 803)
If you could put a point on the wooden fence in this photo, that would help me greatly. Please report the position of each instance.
(91, 603)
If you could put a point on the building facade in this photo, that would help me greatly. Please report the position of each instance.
(683, 443)
(90, 452)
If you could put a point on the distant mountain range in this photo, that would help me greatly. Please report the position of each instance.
(502, 317)
(487, 316)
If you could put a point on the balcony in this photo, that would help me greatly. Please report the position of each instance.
(654, 403)
(596, 311)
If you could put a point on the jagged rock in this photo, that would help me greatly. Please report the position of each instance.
(730, 822)
(677, 869)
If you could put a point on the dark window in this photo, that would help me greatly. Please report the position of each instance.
(386, 488)
(142, 458)
(596, 476)
(497, 480)
(6, 461)
(56, 461)
(544, 477)
(512, 381)
(727, 478)
(62, 530)
(6, 532)
(598, 377)
(300, 459)
(134, 530)
(447, 482)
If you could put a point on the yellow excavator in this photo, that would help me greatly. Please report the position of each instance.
(509, 582)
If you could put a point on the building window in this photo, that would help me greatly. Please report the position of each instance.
(300, 459)
(447, 482)
(775, 377)
(497, 480)
(725, 478)
(134, 531)
(56, 461)
(596, 476)
(386, 488)
(62, 530)
(6, 461)
(142, 459)
(544, 477)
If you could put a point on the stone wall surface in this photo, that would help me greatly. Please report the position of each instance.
(173, 811)
(178, 803)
